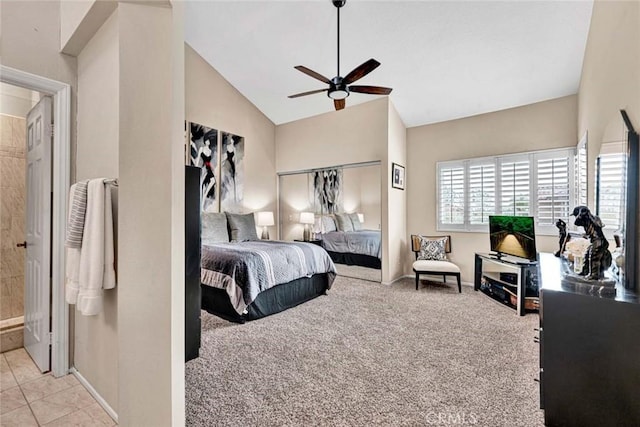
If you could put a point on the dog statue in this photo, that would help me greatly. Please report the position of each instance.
(598, 257)
(564, 237)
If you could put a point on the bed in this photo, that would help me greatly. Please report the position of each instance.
(248, 280)
(344, 238)
(353, 247)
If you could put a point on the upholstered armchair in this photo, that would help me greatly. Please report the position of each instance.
(431, 258)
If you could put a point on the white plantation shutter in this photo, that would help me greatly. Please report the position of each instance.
(540, 184)
(610, 192)
(482, 192)
(581, 173)
(451, 208)
(553, 191)
(515, 188)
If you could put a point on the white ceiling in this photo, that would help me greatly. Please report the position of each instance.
(444, 60)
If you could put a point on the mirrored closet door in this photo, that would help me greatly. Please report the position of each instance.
(338, 208)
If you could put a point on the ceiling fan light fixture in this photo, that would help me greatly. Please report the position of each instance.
(338, 94)
(340, 87)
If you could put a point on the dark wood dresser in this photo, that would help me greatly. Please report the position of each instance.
(589, 354)
(192, 294)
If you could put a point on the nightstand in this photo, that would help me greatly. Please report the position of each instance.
(315, 242)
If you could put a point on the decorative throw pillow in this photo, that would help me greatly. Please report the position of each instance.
(355, 222)
(214, 228)
(241, 227)
(344, 222)
(432, 249)
(328, 224)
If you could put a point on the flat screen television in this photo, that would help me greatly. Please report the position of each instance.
(513, 235)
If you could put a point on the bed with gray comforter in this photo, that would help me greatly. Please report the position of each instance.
(361, 247)
(244, 270)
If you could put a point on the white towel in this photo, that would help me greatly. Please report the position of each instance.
(96, 255)
(72, 272)
(109, 278)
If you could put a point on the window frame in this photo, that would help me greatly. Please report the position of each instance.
(532, 158)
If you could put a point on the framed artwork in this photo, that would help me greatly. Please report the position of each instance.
(203, 152)
(231, 173)
(397, 176)
(327, 191)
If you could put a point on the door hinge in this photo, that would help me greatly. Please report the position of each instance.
(50, 338)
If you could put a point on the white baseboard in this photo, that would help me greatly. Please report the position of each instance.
(92, 391)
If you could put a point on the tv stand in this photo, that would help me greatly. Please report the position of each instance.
(513, 282)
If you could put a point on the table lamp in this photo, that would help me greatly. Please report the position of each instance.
(264, 220)
(306, 218)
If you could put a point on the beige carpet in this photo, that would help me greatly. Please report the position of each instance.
(358, 272)
(369, 354)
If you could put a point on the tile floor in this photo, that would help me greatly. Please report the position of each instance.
(30, 398)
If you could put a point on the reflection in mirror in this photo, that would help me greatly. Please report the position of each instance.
(611, 179)
(345, 205)
(581, 171)
(617, 195)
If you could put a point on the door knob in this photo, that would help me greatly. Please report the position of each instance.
(22, 245)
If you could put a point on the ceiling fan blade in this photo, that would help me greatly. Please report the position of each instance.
(361, 71)
(339, 104)
(311, 92)
(374, 90)
(312, 73)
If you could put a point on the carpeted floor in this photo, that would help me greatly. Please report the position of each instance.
(369, 354)
(358, 272)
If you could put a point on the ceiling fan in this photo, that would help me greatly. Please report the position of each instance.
(340, 87)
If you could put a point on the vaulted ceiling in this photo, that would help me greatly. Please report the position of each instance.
(444, 60)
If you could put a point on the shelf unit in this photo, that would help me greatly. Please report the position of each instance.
(520, 292)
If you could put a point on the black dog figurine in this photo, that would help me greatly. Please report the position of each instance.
(564, 237)
(598, 257)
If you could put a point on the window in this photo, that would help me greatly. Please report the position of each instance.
(611, 174)
(482, 192)
(581, 171)
(538, 184)
(514, 182)
(451, 195)
(553, 190)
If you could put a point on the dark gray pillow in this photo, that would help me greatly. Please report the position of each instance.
(344, 222)
(355, 221)
(214, 228)
(241, 227)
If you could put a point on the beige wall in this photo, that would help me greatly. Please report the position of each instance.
(396, 245)
(151, 216)
(545, 125)
(353, 135)
(356, 134)
(95, 338)
(132, 127)
(610, 74)
(610, 77)
(213, 102)
(71, 15)
(30, 42)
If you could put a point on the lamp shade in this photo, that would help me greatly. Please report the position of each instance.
(306, 218)
(361, 217)
(265, 219)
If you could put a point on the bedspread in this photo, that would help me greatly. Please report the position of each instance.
(364, 242)
(245, 269)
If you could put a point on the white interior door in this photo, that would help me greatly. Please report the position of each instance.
(37, 295)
